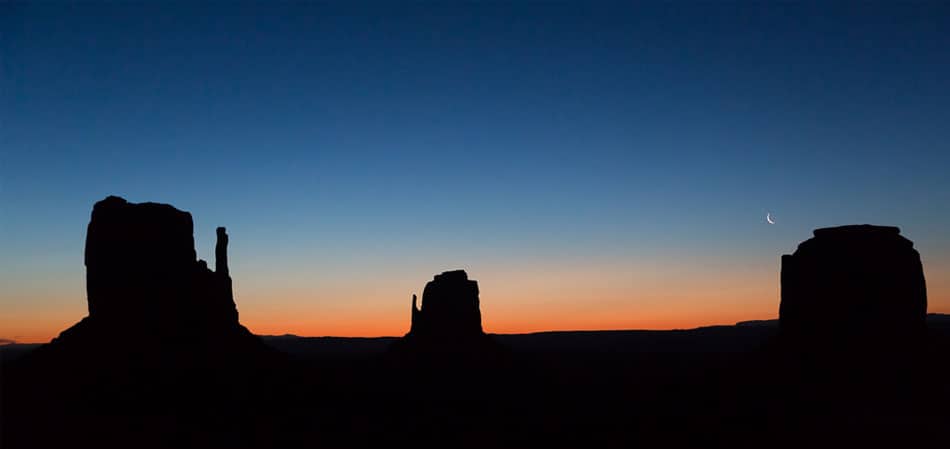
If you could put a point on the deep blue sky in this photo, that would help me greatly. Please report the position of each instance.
(343, 142)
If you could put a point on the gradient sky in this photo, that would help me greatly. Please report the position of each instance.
(592, 166)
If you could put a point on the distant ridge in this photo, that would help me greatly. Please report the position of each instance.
(773, 322)
(306, 347)
(740, 337)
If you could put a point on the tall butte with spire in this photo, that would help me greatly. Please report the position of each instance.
(147, 291)
(162, 338)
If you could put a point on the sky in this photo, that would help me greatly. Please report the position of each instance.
(592, 165)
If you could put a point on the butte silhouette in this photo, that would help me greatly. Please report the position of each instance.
(160, 352)
(853, 287)
(448, 324)
(149, 294)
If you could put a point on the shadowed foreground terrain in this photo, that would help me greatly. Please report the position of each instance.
(162, 361)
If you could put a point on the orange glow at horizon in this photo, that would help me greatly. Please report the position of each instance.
(521, 300)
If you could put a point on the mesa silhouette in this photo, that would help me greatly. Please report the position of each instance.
(857, 286)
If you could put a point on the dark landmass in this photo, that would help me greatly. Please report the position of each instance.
(163, 361)
(722, 338)
(737, 338)
(13, 351)
(317, 347)
(162, 339)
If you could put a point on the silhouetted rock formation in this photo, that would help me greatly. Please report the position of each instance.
(448, 322)
(142, 275)
(856, 284)
(143, 280)
(152, 305)
(852, 340)
(162, 339)
(221, 253)
(450, 308)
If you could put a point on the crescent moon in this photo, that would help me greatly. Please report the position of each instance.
(768, 218)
